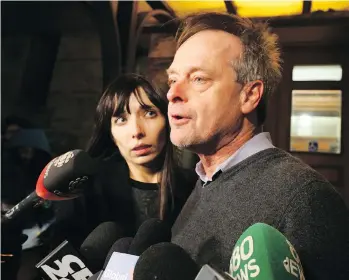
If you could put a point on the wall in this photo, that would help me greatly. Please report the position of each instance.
(52, 69)
(74, 91)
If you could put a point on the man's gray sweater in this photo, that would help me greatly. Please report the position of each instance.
(275, 188)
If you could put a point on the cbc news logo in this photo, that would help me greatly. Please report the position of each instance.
(63, 159)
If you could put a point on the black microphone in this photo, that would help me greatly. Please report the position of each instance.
(96, 246)
(65, 261)
(151, 232)
(119, 264)
(120, 246)
(63, 178)
(165, 261)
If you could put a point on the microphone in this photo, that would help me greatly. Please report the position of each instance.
(62, 262)
(65, 261)
(120, 246)
(151, 232)
(64, 177)
(96, 246)
(121, 260)
(264, 253)
(165, 261)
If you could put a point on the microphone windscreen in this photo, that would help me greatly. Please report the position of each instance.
(151, 232)
(121, 246)
(97, 244)
(66, 176)
(263, 252)
(165, 261)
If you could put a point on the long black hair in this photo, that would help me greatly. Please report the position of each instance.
(115, 99)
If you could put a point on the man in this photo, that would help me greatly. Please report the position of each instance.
(224, 70)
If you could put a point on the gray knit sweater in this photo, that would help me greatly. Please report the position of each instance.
(275, 188)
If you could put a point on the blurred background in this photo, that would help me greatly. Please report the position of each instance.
(57, 57)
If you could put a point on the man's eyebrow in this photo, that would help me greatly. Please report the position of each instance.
(190, 70)
(170, 71)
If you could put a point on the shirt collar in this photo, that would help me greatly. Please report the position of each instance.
(258, 143)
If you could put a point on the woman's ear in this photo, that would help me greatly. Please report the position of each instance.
(251, 95)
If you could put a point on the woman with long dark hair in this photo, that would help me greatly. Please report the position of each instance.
(139, 178)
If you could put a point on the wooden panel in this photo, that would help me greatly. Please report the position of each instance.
(332, 173)
(301, 143)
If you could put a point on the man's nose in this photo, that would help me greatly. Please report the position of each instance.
(177, 92)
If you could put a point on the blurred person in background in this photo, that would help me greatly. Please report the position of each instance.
(25, 153)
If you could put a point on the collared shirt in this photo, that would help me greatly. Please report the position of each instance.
(258, 143)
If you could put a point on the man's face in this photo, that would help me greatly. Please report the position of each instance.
(204, 99)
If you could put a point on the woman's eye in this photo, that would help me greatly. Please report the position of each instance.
(119, 120)
(150, 114)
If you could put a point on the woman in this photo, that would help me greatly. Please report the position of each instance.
(139, 178)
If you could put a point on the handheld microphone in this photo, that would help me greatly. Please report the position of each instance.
(63, 262)
(63, 178)
(165, 261)
(120, 246)
(96, 246)
(122, 261)
(264, 253)
(151, 232)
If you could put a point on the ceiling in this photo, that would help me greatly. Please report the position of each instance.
(248, 8)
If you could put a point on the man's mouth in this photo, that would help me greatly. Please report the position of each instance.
(179, 119)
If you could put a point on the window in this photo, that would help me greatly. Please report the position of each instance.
(316, 121)
(317, 73)
(316, 113)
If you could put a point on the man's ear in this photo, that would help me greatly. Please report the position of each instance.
(251, 95)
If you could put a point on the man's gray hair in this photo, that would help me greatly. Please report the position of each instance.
(260, 59)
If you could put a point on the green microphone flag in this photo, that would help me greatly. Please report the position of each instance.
(264, 253)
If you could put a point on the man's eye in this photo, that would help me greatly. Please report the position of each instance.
(170, 82)
(199, 80)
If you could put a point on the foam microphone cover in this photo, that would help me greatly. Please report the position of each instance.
(165, 261)
(121, 246)
(97, 244)
(151, 232)
(66, 176)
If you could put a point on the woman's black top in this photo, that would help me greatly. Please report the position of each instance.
(114, 196)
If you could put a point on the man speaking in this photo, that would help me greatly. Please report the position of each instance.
(224, 70)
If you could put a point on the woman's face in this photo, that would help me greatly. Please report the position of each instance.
(141, 134)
